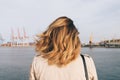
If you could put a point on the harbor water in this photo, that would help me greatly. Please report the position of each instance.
(15, 62)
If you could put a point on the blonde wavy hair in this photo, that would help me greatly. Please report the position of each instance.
(60, 43)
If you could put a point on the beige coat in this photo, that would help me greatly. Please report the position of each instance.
(40, 70)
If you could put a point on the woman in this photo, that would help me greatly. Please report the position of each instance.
(58, 55)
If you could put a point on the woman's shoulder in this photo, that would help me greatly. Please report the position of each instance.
(39, 59)
(86, 55)
(88, 58)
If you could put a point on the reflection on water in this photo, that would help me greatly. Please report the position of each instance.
(15, 62)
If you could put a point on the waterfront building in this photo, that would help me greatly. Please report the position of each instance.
(115, 43)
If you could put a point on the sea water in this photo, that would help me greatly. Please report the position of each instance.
(15, 62)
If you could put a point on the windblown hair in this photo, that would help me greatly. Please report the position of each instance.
(60, 43)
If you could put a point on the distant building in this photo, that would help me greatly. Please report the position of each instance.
(111, 43)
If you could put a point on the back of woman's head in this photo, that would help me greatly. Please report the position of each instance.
(60, 43)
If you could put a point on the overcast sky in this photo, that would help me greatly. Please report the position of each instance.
(101, 18)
